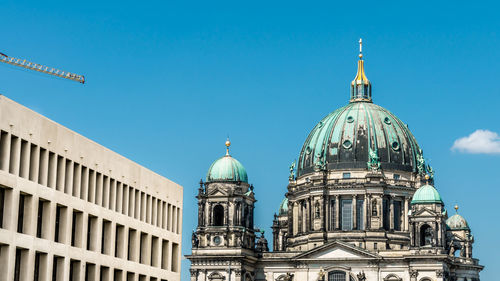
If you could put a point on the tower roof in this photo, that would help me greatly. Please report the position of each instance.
(426, 194)
(283, 207)
(227, 168)
(457, 222)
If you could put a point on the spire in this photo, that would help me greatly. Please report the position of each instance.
(361, 88)
(228, 144)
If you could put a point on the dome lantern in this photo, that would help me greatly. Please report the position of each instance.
(361, 88)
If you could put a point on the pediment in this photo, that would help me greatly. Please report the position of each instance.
(217, 192)
(425, 213)
(337, 251)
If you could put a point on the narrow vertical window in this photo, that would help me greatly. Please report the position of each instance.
(20, 215)
(17, 265)
(346, 214)
(15, 153)
(386, 214)
(106, 237)
(91, 235)
(33, 172)
(164, 254)
(4, 150)
(42, 167)
(119, 241)
(175, 257)
(36, 272)
(360, 206)
(39, 220)
(397, 215)
(74, 270)
(2, 205)
(24, 160)
(57, 223)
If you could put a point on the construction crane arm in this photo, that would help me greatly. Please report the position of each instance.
(41, 68)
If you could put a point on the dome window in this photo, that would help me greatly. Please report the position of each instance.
(350, 119)
(347, 144)
(387, 121)
(308, 150)
(320, 124)
(395, 145)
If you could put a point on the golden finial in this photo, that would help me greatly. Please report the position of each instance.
(228, 144)
(456, 208)
(360, 48)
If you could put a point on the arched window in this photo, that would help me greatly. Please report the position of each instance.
(237, 218)
(426, 235)
(218, 215)
(216, 276)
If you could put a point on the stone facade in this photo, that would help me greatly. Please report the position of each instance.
(71, 209)
(361, 208)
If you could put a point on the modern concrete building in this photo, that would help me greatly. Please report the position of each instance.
(71, 209)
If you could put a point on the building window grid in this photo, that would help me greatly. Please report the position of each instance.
(74, 180)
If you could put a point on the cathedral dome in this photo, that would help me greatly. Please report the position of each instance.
(426, 194)
(227, 168)
(457, 222)
(283, 207)
(360, 135)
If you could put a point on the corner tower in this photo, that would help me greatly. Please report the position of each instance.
(223, 245)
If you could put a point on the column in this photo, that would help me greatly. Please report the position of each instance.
(337, 212)
(365, 212)
(405, 216)
(391, 213)
(354, 212)
(380, 210)
(326, 210)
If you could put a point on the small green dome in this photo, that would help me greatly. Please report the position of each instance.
(457, 222)
(283, 207)
(426, 194)
(227, 169)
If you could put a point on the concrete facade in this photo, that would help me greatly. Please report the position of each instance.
(71, 209)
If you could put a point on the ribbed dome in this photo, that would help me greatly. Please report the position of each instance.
(227, 169)
(426, 194)
(283, 207)
(344, 139)
(457, 222)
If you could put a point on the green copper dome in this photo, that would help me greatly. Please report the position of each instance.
(457, 222)
(360, 135)
(227, 169)
(357, 135)
(283, 207)
(426, 194)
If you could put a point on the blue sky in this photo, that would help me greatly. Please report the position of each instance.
(167, 82)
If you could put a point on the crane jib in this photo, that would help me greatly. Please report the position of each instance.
(41, 68)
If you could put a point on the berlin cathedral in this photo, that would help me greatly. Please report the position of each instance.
(360, 205)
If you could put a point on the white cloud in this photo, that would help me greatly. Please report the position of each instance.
(479, 142)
